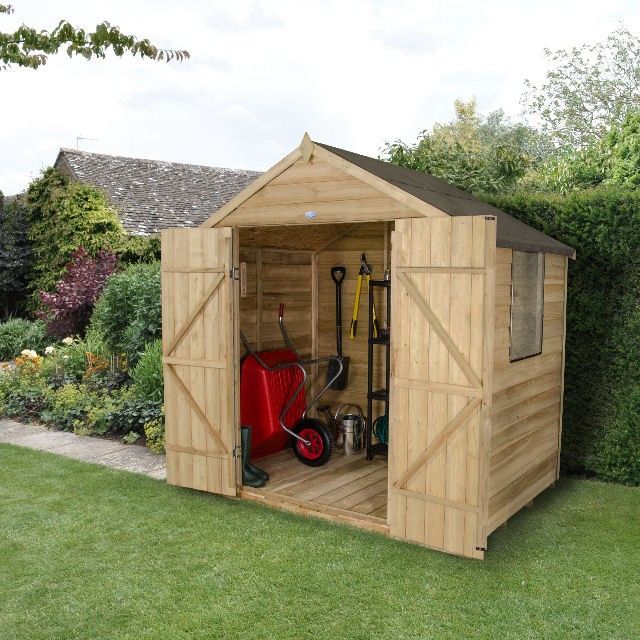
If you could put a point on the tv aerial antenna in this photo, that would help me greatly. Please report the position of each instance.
(80, 139)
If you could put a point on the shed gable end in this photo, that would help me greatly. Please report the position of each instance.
(316, 191)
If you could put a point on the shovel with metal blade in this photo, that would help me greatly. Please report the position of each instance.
(338, 275)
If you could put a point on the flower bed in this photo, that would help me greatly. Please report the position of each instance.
(77, 385)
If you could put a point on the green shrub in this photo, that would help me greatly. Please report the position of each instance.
(147, 373)
(131, 438)
(23, 390)
(603, 311)
(128, 315)
(132, 413)
(617, 457)
(69, 407)
(134, 249)
(98, 416)
(18, 334)
(154, 433)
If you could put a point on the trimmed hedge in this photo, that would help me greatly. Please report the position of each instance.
(603, 322)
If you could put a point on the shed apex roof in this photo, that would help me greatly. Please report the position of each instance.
(511, 233)
(151, 195)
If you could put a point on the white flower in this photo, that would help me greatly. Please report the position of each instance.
(49, 350)
(65, 357)
(68, 340)
(29, 353)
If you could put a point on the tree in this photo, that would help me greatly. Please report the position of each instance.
(570, 169)
(67, 310)
(29, 47)
(63, 216)
(479, 154)
(613, 161)
(15, 254)
(623, 144)
(587, 90)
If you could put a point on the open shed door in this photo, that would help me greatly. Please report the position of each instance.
(199, 356)
(443, 272)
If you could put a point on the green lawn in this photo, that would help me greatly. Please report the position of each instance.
(88, 552)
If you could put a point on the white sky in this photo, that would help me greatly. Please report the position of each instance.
(354, 73)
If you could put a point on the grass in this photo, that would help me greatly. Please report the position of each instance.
(88, 552)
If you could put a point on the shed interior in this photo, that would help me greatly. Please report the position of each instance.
(300, 278)
(526, 396)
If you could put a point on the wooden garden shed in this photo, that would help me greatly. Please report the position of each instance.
(477, 338)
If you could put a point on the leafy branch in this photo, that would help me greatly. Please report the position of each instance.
(28, 47)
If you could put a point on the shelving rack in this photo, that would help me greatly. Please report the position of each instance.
(377, 395)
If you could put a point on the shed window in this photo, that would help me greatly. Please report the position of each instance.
(527, 304)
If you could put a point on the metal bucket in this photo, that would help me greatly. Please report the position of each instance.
(350, 429)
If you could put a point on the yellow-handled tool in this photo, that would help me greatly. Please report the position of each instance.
(365, 271)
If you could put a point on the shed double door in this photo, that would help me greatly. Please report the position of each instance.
(442, 327)
(199, 338)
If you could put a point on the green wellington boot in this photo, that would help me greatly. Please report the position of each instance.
(251, 475)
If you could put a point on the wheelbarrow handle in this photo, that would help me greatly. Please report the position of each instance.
(338, 274)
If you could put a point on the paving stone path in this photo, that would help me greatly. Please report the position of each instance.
(110, 453)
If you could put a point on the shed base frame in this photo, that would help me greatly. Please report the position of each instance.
(349, 489)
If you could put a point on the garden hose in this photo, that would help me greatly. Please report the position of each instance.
(381, 429)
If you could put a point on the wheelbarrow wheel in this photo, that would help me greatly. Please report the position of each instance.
(321, 443)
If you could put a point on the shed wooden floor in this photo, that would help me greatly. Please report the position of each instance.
(348, 488)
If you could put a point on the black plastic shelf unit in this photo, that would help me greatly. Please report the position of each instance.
(377, 395)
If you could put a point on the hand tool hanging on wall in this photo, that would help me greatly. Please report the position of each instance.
(338, 275)
(365, 271)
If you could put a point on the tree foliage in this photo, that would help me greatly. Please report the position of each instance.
(65, 215)
(134, 249)
(613, 161)
(472, 152)
(29, 47)
(15, 254)
(67, 310)
(587, 90)
(569, 170)
(623, 146)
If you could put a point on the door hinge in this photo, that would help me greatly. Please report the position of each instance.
(234, 273)
(237, 451)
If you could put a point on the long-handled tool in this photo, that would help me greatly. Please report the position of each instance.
(338, 275)
(365, 271)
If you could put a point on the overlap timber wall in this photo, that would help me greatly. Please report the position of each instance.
(527, 397)
(275, 277)
(346, 251)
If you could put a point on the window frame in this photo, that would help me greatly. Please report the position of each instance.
(541, 272)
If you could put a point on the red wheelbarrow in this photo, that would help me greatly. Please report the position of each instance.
(273, 402)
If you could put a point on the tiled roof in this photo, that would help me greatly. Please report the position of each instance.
(150, 195)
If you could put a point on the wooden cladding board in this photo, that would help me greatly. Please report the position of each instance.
(527, 397)
(346, 252)
(275, 277)
(199, 358)
(332, 194)
(442, 304)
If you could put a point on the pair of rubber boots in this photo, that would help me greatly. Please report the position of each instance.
(251, 475)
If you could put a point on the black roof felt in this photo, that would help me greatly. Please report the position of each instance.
(510, 232)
